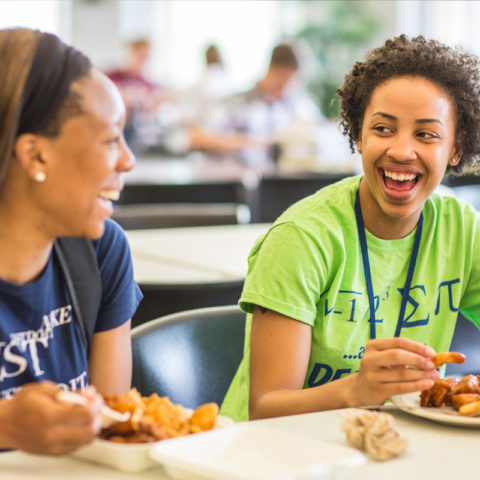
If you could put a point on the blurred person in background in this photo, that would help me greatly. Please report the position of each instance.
(195, 109)
(252, 125)
(142, 96)
(216, 83)
(273, 108)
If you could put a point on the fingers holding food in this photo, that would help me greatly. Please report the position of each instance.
(392, 366)
(443, 358)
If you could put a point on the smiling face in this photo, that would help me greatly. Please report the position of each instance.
(407, 140)
(83, 164)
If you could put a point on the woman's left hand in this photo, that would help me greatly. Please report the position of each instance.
(392, 366)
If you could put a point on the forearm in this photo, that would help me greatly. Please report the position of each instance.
(281, 402)
(6, 425)
(110, 360)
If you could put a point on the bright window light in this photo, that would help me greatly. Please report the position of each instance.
(44, 15)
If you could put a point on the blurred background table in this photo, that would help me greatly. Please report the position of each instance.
(183, 268)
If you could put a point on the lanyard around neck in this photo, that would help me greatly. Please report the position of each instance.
(368, 276)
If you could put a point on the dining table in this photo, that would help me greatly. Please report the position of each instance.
(190, 267)
(192, 254)
(436, 450)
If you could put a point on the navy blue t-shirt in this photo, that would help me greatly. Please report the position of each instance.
(39, 337)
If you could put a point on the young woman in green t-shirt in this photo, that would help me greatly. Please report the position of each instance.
(412, 109)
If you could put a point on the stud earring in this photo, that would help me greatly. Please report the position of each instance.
(39, 176)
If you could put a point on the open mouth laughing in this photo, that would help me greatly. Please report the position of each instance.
(106, 197)
(399, 181)
(111, 195)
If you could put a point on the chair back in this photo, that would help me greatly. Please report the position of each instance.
(140, 216)
(276, 193)
(160, 299)
(466, 339)
(190, 356)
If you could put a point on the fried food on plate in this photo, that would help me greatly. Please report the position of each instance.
(472, 408)
(447, 357)
(463, 395)
(468, 384)
(439, 393)
(203, 418)
(461, 399)
(156, 418)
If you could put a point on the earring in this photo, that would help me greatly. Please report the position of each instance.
(39, 176)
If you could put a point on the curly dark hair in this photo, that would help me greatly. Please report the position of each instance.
(450, 68)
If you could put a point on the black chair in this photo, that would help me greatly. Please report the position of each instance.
(156, 215)
(163, 299)
(190, 356)
(466, 339)
(276, 193)
(208, 192)
(460, 180)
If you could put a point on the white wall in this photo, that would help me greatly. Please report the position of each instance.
(95, 30)
(244, 29)
(44, 15)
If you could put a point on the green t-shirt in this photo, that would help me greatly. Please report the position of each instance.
(308, 266)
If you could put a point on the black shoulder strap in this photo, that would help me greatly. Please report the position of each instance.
(79, 264)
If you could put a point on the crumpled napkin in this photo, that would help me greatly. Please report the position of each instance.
(374, 433)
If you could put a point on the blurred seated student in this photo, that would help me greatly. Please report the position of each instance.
(272, 107)
(193, 107)
(142, 96)
(214, 86)
(247, 124)
(350, 292)
(62, 152)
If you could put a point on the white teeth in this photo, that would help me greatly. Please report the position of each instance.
(112, 195)
(400, 176)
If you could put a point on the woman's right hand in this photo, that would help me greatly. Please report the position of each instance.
(392, 366)
(35, 421)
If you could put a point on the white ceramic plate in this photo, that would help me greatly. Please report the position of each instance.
(410, 403)
(127, 457)
(246, 451)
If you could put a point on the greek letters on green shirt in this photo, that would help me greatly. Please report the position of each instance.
(308, 266)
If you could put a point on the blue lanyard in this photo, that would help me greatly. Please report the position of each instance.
(368, 276)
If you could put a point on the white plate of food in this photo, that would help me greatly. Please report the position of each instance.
(125, 445)
(128, 457)
(410, 403)
(246, 451)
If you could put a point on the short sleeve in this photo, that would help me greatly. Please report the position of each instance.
(121, 295)
(285, 274)
(470, 304)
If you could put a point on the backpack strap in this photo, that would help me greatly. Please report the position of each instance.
(79, 265)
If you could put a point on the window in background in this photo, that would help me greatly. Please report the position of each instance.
(451, 22)
(47, 15)
(245, 31)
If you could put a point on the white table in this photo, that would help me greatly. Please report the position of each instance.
(194, 254)
(435, 451)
